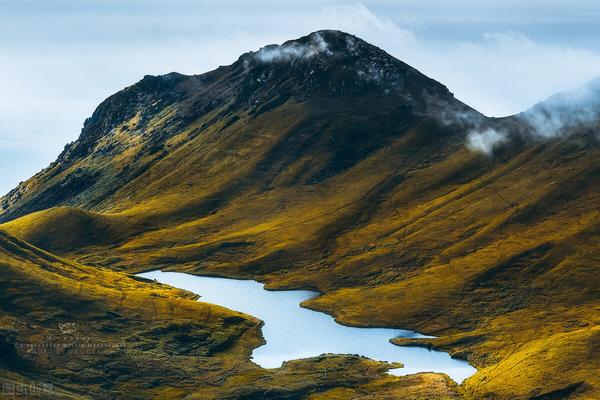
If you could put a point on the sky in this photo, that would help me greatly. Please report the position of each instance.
(60, 58)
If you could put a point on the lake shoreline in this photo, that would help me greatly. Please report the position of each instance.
(380, 351)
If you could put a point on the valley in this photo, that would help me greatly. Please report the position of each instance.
(292, 332)
(323, 164)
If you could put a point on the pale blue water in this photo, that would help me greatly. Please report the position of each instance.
(293, 332)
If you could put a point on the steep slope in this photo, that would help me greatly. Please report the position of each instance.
(326, 163)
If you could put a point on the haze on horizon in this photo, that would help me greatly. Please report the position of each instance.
(60, 58)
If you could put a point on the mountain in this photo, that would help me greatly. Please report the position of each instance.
(299, 111)
(326, 163)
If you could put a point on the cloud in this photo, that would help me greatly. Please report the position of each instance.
(485, 141)
(317, 45)
(502, 73)
(562, 113)
(498, 72)
(359, 20)
(508, 40)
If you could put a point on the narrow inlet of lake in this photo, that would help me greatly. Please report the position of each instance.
(293, 332)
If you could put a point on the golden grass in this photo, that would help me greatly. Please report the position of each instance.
(497, 257)
(170, 346)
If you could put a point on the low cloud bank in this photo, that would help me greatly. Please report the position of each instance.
(565, 112)
(561, 115)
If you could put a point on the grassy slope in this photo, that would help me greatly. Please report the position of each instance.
(497, 257)
(41, 291)
(150, 340)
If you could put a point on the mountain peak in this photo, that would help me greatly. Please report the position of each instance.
(319, 44)
(337, 63)
(143, 123)
(330, 48)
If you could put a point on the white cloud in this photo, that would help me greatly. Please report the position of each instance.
(316, 46)
(508, 40)
(499, 73)
(485, 141)
(359, 20)
(508, 72)
(564, 112)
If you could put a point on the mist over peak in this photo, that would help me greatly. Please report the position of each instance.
(561, 115)
(324, 43)
(564, 112)
(294, 50)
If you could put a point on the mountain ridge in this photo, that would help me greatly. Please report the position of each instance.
(238, 89)
(330, 183)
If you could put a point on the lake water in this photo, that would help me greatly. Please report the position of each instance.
(293, 332)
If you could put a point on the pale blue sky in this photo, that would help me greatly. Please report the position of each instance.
(60, 58)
